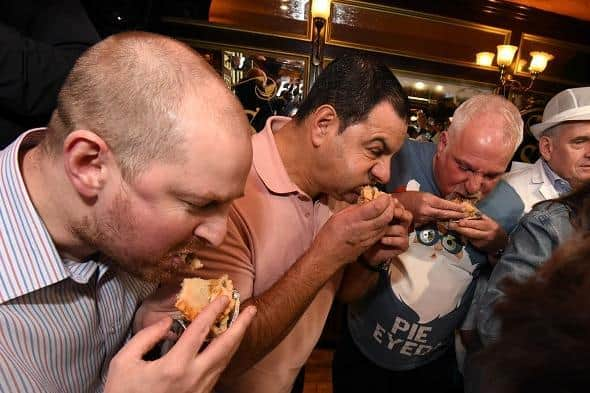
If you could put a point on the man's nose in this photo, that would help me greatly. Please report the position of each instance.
(474, 182)
(382, 171)
(212, 230)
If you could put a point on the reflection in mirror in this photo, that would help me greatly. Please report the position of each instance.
(266, 84)
(433, 101)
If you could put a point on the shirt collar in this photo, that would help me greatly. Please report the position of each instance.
(267, 160)
(82, 272)
(29, 258)
(561, 185)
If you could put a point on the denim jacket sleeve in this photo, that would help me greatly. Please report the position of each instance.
(531, 244)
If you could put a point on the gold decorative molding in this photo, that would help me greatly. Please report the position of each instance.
(566, 55)
(489, 35)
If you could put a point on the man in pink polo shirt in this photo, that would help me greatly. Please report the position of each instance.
(284, 249)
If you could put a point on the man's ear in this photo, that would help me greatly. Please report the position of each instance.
(546, 147)
(86, 161)
(324, 123)
(443, 142)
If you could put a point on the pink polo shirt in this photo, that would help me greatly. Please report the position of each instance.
(268, 230)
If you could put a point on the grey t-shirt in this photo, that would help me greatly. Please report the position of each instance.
(410, 318)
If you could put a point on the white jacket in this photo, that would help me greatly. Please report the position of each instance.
(531, 184)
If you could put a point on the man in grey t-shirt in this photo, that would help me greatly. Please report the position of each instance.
(401, 332)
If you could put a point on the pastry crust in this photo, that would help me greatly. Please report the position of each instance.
(368, 193)
(197, 293)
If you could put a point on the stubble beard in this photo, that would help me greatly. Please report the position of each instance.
(113, 234)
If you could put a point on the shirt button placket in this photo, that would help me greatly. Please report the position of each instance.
(307, 205)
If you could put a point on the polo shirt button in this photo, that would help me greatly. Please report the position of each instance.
(307, 214)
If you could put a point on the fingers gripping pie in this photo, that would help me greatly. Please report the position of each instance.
(468, 203)
(369, 193)
(197, 293)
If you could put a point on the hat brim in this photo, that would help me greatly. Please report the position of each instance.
(538, 129)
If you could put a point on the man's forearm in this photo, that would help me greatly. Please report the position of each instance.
(279, 309)
(356, 283)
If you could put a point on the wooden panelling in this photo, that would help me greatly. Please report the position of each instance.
(579, 9)
(503, 14)
(570, 65)
(186, 28)
(429, 36)
(418, 35)
(281, 18)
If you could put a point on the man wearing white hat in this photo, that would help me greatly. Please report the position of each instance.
(564, 144)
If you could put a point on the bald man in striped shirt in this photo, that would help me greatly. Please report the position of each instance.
(125, 172)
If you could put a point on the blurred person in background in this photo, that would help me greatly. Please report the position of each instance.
(543, 344)
(39, 43)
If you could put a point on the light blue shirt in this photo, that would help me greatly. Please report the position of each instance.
(561, 185)
(61, 321)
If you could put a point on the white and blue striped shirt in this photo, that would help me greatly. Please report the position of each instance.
(61, 321)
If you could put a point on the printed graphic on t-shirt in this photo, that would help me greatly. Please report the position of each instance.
(431, 286)
(402, 337)
(432, 276)
(410, 318)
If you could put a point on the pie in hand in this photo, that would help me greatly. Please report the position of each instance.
(197, 293)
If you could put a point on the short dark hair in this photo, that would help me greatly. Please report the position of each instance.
(354, 85)
(544, 344)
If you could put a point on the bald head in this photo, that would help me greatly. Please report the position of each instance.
(475, 151)
(132, 90)
(490, 116)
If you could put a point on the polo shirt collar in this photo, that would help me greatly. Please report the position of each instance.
(267, 160)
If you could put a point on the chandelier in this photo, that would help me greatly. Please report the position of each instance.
(508, 85)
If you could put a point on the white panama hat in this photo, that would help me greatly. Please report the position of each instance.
(568, 105)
